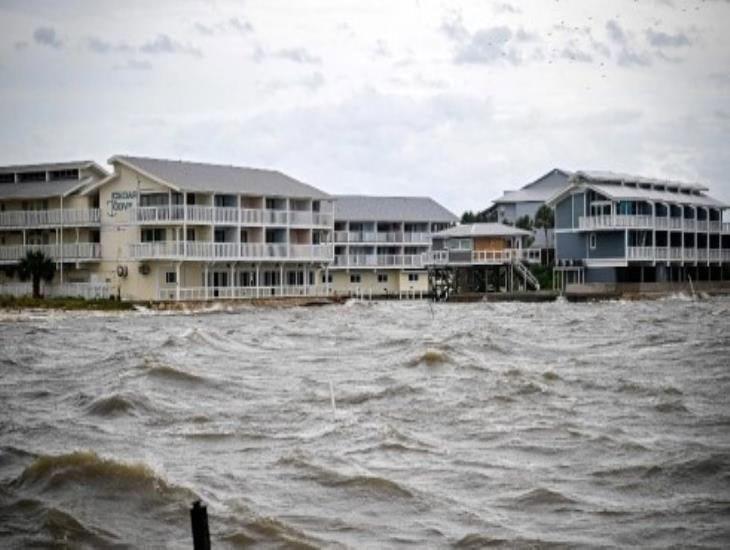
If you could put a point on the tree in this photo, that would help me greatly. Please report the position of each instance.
(37, 267)
(545, 219)
(524, 222)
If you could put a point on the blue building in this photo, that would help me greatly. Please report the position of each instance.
(620, 228)
(526, 201)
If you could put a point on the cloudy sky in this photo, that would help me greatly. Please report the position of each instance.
(457, 100)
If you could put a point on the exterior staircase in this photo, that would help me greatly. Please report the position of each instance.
(526, 274)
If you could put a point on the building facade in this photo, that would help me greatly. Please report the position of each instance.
(171, 230)
(485, 257)
(621, 228)
(46, 207)
(513, 205)
(381, 244)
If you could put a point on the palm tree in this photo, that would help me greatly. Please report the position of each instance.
(545, 218)
(36, 266)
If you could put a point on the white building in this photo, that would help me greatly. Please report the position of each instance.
(381, 243)
(52, 208)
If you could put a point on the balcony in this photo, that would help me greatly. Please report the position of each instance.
(88, 291)
(70, 252)
(677, 254)
(380, 260)
(240, 292)
(49, 218)
(382, 237)
(649, 222)
(484, 257)
(222, 215)
(208, 251)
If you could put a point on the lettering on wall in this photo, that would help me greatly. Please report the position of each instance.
(120, 201)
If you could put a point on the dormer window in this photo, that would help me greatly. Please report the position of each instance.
(25, 177)
(7, 178)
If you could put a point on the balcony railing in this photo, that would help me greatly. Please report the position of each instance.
(663, 253)
(240, 292)
(66, 251)
(225, 215)
(379, 260)
(621, 221)
(380, 237)
(197, 250)
(89, 291)
(50, 218)
(487, 257)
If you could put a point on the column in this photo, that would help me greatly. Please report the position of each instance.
(177, 281)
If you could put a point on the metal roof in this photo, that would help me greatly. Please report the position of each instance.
(623, 192)
(533, 191)
(41, 189)
(482, 230)
(400, 209)
(597, 176)
(216, 178)
(51, 166)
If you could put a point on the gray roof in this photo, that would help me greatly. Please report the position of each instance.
(533, 191)
(598, 176)
(623, 192)
(41, 189)
(51, 166)
(482, 230)
(216, 178)
(399, 209)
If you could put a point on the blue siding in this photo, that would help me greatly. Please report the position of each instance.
(578, 207)
(609, 244)
(601, 275)
(570, 246)
(563, 213)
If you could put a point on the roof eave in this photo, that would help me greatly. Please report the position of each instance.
(121, 160)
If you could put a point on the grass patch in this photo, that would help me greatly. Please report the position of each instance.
(65, 303)
(544, 275)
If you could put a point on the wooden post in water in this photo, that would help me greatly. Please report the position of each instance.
(199, 523)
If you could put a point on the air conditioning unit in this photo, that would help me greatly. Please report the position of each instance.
(144, 269)
(122, 271)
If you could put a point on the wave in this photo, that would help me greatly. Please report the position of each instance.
(431, 358)
(361, 482)
(543, 497)
(479, 541)
(168, 373)
(386, 393)
(671, 407)
(711, 467)
(88, 469)
(111, 406)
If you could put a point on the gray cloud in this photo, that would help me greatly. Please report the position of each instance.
(628, 58)
(295, 55)
(100, 46)
(574, 54)
(46, 36)
(163, 44)
(504, 7)
(720, 79)
(454, 28)
(488, 46)
(615, 32)
(664, 40)
(20, 45)
(234, 24)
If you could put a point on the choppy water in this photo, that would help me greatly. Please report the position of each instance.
(456, 426)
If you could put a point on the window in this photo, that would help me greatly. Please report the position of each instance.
(154, 199)
(413, 277)
(327, 278)
(7, 178)
(592, 240)
(32, 176)
(355, 278)
(191, 234)
(170, 277)
(153, 235)
(382, 277)
(58, 175)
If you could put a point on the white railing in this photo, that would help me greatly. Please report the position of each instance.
(89, 291)
(662, 253)
(675, 253)
(702, 225)
(675, 223)
(379, 260)
(689, 224)
(617, 221)
(640, 253)
(662, 223)
(702, 254)
(726, 227)
(229, 251)
(493, 257)
(227, 215)
(240, 292)
(55, 218)
(715, 227)
(67, 251)
(382, 237)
